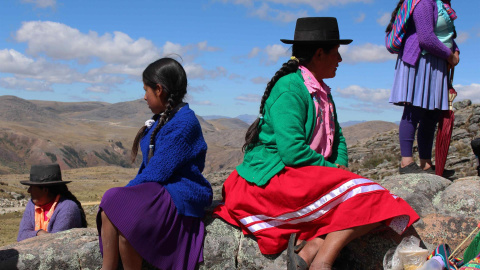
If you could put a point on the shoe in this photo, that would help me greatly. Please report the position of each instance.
(294, 261)
(446, 173)
(410, 168)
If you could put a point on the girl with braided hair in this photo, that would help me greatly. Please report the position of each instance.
(293, 189)
(158, 215)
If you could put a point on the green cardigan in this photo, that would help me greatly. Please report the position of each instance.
(285, 132)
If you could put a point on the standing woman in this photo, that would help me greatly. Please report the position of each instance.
(157, 216)
(420, 85)
(293, 188)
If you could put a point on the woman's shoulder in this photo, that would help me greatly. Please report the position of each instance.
(290, 84)
(65, 203)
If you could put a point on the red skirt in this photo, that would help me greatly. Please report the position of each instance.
(311, 201)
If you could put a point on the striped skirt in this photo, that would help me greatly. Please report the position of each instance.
(423, 85)
(311, 201)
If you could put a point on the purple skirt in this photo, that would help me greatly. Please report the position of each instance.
(423, 85)
(146, 215)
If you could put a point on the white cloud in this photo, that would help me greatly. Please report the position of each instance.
(274, 52)
(16, 63)
(41, 3)
(196, 71)
(360, 18)
(254, 52)
(462, 37)
(315, 4)
(384, 19)
(260, 80)
(468, 92)
(197, 89)
(249, 98)
(368, 95)
(268, 13)
(24, 84)
(59, 41)
(99, 89)
(365, 53)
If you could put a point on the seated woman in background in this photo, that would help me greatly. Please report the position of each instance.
(158, 215)
(53, 208)
(293, 188)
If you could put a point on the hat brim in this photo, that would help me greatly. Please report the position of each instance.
(53, 183)
(319, 42)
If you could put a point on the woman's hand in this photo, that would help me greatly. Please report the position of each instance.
(453, 59)
(343, 167)
(40, 232)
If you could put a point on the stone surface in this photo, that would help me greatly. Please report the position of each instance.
(448, 212)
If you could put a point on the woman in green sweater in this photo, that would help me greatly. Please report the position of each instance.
(293, 188)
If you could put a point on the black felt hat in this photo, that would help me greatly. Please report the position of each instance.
(316, 30)
(45, 175)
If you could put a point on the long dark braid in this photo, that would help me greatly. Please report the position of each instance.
(64, 192)
(138, 137)
(164, 117)
(171, 76)
(302, 54)
(394, 15)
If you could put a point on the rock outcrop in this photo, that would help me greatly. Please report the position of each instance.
(379, 156)
(448, 213)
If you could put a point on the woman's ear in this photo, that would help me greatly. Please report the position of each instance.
(158, 90)
(319, 53)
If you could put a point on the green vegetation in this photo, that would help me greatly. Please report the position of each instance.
(73, 158)
(52, 156)
(113, 158)
(119, 144)
(374, 159)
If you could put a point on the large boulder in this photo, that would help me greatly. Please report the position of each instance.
(448, 212)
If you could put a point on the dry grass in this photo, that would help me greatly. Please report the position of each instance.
(88, 185)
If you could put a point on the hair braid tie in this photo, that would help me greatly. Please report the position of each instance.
(295, 59)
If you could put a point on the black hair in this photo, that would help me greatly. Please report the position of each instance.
(62, 189)
(170, 75)
(304, 54)
(394, 15)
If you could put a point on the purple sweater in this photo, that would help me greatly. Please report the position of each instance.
(66, 216)
(420, 34)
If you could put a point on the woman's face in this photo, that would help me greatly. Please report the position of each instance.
(39, 195)
(328, 63)
(154, 98)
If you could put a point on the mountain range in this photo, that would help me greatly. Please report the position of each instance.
(85, 134)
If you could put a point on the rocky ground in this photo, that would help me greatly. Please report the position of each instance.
(448, 213)
(379, 156)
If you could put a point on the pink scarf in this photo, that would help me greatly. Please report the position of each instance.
(323, 134)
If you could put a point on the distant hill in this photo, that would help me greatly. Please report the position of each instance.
(364, 130)
(85, 134)
(350, 123)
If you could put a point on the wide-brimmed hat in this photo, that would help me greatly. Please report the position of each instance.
(316, 30)
(45, 175)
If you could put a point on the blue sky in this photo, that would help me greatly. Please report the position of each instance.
(96, 50)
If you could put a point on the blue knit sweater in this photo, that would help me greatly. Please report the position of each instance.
(178, 162)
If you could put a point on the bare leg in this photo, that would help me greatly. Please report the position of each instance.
(309, 251)
(333, 244)
(406, 161)
(131, 260)
(425, 164)
(110, 244)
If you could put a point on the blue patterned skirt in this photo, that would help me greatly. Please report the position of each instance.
(423, 85)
